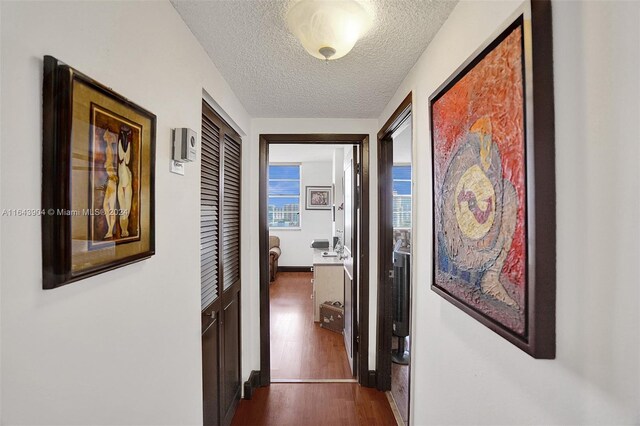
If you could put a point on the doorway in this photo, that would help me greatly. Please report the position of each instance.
(394, 257)
(306, 212)
(357, 318)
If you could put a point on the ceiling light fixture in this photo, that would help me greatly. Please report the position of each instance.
(328, 29)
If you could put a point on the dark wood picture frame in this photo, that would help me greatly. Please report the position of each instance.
(538, 338)
(57, 170)
(307, 198)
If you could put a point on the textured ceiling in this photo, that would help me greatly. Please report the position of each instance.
(273, 76)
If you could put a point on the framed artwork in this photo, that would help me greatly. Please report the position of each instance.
(319, 197)
(493, 184)
(97, 177)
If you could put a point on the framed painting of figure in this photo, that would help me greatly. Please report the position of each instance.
(319, 197)
(493, 184)
(98, 177)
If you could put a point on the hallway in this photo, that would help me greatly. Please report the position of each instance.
(300, 348)
(140, 151)
(315, 404)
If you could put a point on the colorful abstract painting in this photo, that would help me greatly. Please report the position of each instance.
(479, 171)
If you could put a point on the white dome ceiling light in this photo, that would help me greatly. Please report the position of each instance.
(328, 29)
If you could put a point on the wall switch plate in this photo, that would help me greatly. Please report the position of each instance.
(177, 167)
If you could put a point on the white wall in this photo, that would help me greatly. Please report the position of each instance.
(122, 347)
(251, 308)
(314, 224)
(462, 372)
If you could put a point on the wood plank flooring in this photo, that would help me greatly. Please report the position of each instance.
(315, 404)
(400, 383)
(300, 348)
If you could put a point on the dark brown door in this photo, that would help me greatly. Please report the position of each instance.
(220, 268)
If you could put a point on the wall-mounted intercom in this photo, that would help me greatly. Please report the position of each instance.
(185, 144)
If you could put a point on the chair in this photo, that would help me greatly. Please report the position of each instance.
(274, 254)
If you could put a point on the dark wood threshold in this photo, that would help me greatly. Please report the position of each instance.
(294, 268)
(251, 384)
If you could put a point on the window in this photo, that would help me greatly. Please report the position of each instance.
(284, 196)
(401, 175)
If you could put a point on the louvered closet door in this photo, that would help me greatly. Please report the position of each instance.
(231, 274)
(220, 267)
(209, 208)
(210, 265)
(231, 206)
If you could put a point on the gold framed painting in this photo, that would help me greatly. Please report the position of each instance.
(97, 177)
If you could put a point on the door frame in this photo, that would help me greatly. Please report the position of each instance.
(385, 246)
(362, 140)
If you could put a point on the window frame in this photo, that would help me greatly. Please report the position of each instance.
(410, 196)
(300, 195)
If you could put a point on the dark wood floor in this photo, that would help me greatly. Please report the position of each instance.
(400, 389)
(400, 383)
(300, 348)
(315, 404)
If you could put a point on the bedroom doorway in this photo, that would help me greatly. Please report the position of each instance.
(395, 228)
(325, 265)
(306, 216)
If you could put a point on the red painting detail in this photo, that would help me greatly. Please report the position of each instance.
(494, 89)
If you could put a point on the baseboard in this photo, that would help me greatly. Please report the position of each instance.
(251, 384)
(371, 380)
(394, 409)
(294, 268)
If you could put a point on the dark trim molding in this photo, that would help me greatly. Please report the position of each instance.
(373, 378)
(363, 301)
(385, 242)
(362, 140)
(294, 269)
(251, 384)
(397, 118)
(263, 244)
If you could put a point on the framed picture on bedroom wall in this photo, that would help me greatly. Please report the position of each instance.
(493, 184)
(97, 177)
(319, 197)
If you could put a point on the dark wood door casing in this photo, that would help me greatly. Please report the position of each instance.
(362, 140)
(385, 242)
(220, 263)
